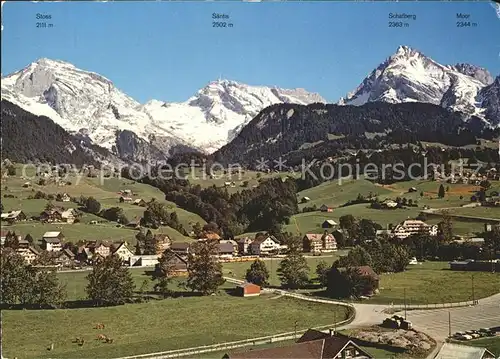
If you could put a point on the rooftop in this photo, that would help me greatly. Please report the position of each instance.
(457, 351)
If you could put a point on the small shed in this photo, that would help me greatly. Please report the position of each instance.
(248, 290)
(325, 208)
(329, 223)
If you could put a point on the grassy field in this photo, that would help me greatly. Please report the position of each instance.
(433, 282)
(75, 280)
(156, 326)
(105, 191)
(427, 283)
(334, 194)
(238, 269)
(219, 178)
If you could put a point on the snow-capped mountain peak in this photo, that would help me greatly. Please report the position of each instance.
(89, 103)
(410, 76)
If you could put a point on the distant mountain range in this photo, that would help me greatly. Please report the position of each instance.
(87, 103)
(90, 106)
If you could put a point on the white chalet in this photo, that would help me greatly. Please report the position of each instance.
(123, 252)
(264, 245)
(412, 227)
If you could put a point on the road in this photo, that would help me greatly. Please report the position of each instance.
(433, 322)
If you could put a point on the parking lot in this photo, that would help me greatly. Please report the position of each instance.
(436, 323)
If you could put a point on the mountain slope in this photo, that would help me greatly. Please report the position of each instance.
(329, 130)
(410, 76)
(489, 97)
(27, 137)
(89, 103)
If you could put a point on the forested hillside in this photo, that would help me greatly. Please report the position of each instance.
(26, 137)
(320, 130)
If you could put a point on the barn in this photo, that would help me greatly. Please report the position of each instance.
(248, 290)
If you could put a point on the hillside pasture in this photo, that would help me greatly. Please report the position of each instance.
(105, 190)
(158, 325)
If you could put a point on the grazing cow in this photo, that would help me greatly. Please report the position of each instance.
(81, 342)
(99, 326)
(101, 337)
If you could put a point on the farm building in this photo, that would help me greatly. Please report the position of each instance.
(317, 243)
(102, 249)
(65, 258)
(248, 290)
(243, 245)
(329, 223)
(457, 351)
(123, 251)
(140, 202)
(13, 216)
(28, 253)
(325, 208)
(51, 241)
(226, 250)
(181, 248)
(163, 241)
(144, 260)
(319, 346)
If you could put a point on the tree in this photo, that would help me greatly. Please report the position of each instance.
(322, 270)
(349, 283)
(445, 227)
(11, 240)
(47, 291)
(109, 282)
(368, 230)
(29, 239)
(138, 249)
(258, 273)
(441, 191)
(141, 241)
(14, 277)
(356, 257)
(349, 224)
(163, 273)
(24, 284)
(492, 239)
(113, 214)
(154, 215)
(204, 270)
(485, 185)
(49, 206)
(11, 170)
(198, 230)
(46, 258)
(293, 271)
(151, 245)
(92, 205)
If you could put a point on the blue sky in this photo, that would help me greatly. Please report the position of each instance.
(168, 50)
